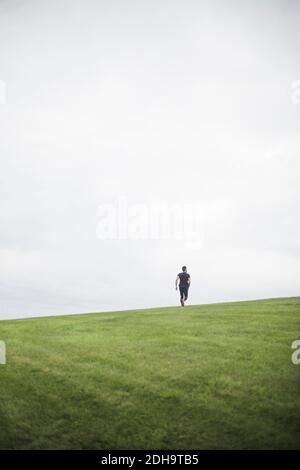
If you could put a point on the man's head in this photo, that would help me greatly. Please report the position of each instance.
(184, 268)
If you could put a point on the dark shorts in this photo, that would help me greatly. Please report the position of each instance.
(184, 290)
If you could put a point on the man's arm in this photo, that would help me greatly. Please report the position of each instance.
(176, 282)
(189, 281)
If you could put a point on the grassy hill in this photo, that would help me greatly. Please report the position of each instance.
(208, 376)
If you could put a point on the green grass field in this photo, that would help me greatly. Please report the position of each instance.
(203, 377)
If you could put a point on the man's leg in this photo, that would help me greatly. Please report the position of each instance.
(186, 293)
(181, 290)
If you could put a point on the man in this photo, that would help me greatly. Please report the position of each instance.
(185, 282)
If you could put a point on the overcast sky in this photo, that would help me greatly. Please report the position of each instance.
(177, 102)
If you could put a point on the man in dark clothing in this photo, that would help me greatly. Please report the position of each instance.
(185, 282)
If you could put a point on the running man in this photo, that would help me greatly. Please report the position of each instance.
(185, 282)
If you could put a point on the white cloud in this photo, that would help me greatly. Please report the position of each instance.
(178, 102)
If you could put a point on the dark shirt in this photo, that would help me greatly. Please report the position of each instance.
(184, 277)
